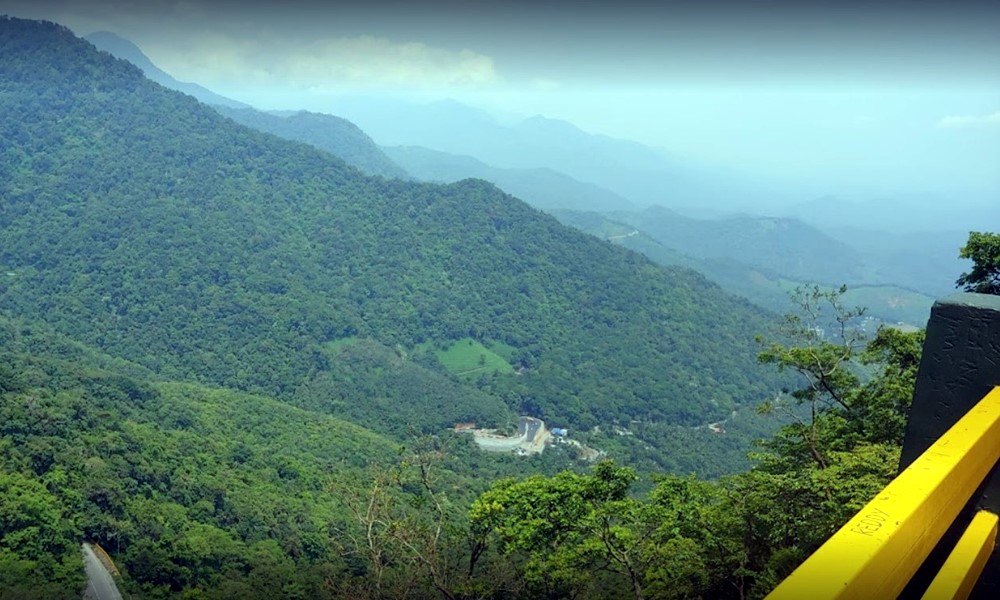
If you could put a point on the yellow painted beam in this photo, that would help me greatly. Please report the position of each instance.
(961, 571)
(877, 552)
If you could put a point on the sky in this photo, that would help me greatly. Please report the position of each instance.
(837, 97)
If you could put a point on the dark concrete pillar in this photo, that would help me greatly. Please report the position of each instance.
(960, 364)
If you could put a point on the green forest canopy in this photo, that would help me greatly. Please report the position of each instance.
(211, 366)
(141, 222)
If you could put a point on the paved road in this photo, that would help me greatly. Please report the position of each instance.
(100, 583)
(532, 430)
(531, 438)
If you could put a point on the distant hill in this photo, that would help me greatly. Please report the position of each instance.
(902, 214)
(121, 48)
(337, 136)
(142, 222)
(540, 187)
(642, 174)
(760, 284)
(781, 246)
(921, 260)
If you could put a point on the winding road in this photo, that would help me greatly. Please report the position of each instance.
(100, 583)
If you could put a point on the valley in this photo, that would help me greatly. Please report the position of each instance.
(420, 349)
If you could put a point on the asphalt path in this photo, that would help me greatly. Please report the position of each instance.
(532, 430)
(100, 583)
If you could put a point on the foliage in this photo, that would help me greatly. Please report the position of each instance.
(146, 225)
(822, 360)
(190, 489)
(841, 410)
(409, 536)
(984, 251)
(174, 252)
(561, 528)
(384, 390)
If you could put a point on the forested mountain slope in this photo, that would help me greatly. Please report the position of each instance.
(778, 245)
(337, 136)
(144, 223)
(753, 274)
(187, 487)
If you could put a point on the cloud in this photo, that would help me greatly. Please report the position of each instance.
(323, 64)
(970, 120)
(544, 84)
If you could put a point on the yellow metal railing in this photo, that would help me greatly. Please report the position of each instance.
(879, 550)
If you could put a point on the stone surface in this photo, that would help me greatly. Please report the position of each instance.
(960, 364)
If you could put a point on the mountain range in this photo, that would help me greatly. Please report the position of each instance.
(144, 223)
(235, 345)
(541, 187)
(642, 174)
(337, 136)
(900, 273)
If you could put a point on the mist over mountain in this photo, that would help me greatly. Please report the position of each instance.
(337, 136)
(263, 352)
(780, 246)
(641, 174)
(541, 187)
(546, 187)
(903, 214)
(119, 47)
(767, 282)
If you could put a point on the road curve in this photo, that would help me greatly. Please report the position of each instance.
(100, 583)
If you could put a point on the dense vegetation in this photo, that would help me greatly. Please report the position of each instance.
(124, 49)
(230, 359)
(219, 494)
(187, 487)
(143, 223)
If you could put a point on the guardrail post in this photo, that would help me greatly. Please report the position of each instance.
(960, 364)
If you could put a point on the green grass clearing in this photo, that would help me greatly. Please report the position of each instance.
(469, 357)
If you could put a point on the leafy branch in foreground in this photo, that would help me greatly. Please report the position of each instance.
(823, 360)
(855, 390)
(984, 250)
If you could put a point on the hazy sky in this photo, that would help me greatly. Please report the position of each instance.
(871, 97)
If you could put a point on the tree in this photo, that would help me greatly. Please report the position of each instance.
(825, 340)
(409, 538)
(842, 445)
(984, 250)
(568, 534)
(855, 390)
